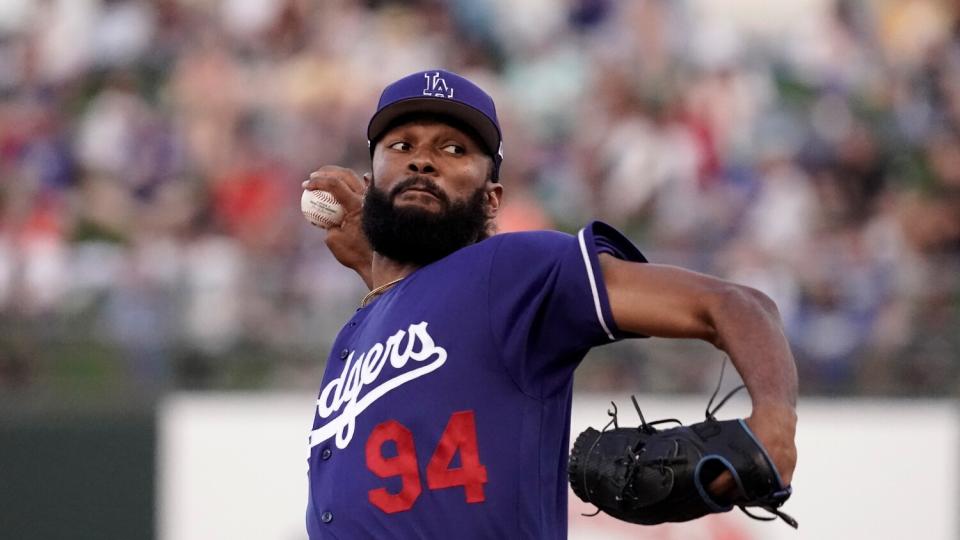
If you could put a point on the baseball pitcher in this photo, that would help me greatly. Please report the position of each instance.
(444, 410)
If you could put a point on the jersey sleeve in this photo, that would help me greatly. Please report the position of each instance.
(548, 301)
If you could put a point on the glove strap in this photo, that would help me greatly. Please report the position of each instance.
(776, 514)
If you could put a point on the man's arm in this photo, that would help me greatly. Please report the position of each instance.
(347, 242)
(664, 301)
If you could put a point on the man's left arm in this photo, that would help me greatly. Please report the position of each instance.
(670, 302)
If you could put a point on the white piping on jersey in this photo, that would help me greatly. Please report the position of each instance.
(345, 389)
(593, 285)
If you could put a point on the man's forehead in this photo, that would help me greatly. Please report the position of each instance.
(441, 124)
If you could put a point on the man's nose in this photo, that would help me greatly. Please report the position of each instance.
(421, 164)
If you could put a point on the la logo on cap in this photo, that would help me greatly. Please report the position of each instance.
(436, 86)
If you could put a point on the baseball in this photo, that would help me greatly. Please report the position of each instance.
(321, 208)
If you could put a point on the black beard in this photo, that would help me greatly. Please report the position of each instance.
(412, 235)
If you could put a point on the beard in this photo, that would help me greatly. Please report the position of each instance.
(411, 235)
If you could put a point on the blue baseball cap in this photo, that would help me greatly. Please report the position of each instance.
(445, 93)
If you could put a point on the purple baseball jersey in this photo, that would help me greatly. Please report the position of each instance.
(444, 410)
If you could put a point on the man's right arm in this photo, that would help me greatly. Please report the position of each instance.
(347, 242)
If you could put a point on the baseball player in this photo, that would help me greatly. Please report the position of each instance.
(444, 410)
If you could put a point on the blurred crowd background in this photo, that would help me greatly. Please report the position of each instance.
(151, 155)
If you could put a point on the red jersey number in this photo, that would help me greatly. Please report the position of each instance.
(459, 435)
(404, 465)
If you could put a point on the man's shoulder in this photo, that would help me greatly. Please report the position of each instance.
(532, 240)
(595, 236)
(531, 251)
(543, 246)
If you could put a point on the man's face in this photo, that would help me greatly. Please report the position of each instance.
(430, 193)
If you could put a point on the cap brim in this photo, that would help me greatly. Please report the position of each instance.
(487, 130)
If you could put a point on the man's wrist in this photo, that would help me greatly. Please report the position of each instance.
(783, 412)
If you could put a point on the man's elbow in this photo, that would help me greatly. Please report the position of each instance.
(763, 302)
(740, 301)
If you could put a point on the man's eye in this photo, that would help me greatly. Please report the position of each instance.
(453, 149)
(401, 146)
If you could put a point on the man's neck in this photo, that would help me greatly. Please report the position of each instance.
(386, 270)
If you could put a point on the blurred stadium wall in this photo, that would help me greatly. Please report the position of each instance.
(234, 466)
(151, 153)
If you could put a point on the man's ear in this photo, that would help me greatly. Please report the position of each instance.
(494, 196)
(367, 180)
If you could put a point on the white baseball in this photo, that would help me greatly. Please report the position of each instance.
(321, 208)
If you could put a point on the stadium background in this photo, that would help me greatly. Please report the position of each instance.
(151, 247)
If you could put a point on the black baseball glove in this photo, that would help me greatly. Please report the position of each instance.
(649, 476)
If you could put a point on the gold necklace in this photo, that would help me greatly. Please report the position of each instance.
(378, 290)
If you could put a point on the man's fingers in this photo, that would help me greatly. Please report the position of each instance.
(723, 487)
(338, 187)
(355, 183)
(341, 173)
(340, 192)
